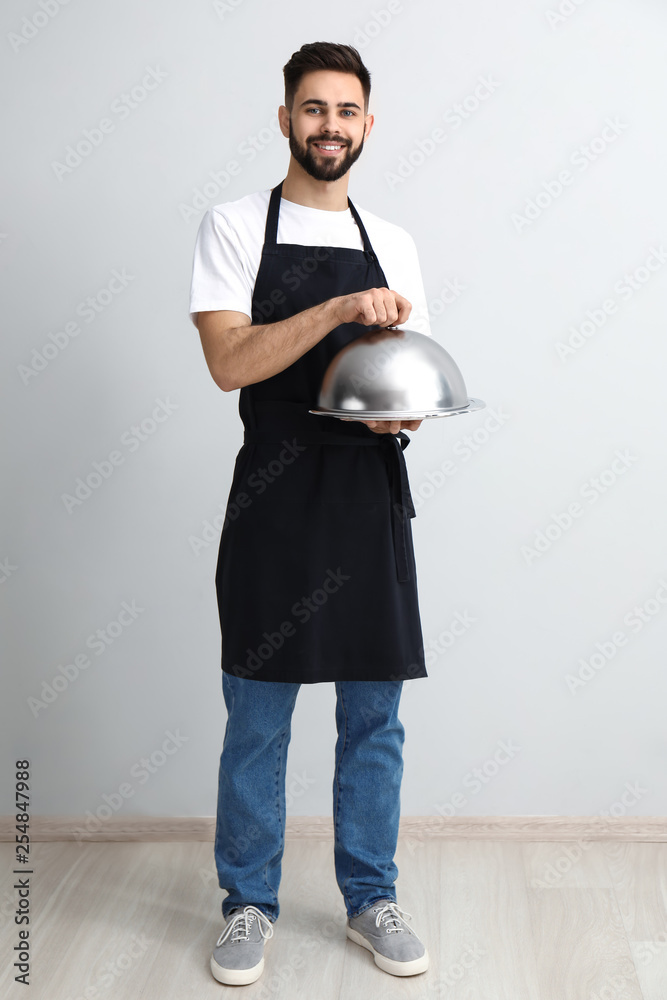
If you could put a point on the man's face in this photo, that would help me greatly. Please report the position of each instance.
(326, 124)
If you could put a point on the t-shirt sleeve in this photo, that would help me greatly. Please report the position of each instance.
(219, 279)
(419, 318)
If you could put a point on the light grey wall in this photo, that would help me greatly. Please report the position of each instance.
(596, 241)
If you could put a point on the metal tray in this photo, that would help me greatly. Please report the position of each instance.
(472, 404)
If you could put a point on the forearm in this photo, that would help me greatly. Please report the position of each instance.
(248, 354)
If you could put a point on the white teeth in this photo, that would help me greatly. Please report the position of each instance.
(320, 146)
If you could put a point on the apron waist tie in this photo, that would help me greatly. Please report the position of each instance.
(393, 446)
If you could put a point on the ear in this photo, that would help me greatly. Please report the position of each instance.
(283, 120)
(368, 125)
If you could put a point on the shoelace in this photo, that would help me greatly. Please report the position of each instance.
(390, 915)
(241, 924)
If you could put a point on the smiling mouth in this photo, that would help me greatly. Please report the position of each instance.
(329, 147)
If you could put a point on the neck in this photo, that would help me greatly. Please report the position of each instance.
(300, 187)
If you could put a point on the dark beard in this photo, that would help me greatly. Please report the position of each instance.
(322, 170)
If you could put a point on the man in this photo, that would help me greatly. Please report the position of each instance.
(316, 577)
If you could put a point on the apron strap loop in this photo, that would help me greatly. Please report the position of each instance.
(402, 506)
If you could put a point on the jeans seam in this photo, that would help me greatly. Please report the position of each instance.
(228, 698)
(338, 764)
(281, 845)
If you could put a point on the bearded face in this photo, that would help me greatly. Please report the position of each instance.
(326, 158)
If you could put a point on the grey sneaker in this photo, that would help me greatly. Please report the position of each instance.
(238, 956)
(383, 931)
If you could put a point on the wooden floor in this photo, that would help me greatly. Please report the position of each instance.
(501, 920)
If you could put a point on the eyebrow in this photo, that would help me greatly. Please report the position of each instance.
(325, 104)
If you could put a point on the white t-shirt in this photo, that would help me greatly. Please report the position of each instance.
(229, 245)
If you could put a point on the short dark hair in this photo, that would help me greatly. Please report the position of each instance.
(324, 55)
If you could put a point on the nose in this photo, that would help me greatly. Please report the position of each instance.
(329, 123)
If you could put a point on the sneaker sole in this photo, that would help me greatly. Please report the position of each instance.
(388, 964)
(237, 977)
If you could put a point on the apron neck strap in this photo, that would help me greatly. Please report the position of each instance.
(271, 229)
(362, 229)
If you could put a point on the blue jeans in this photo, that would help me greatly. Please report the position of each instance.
(250, 822)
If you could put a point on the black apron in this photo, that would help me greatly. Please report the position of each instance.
(316, 577)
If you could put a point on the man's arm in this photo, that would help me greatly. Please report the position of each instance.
(239, 354)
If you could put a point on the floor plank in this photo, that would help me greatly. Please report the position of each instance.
(638, 873)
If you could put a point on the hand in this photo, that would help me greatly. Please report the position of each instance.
(373, 307)
(391, 426)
